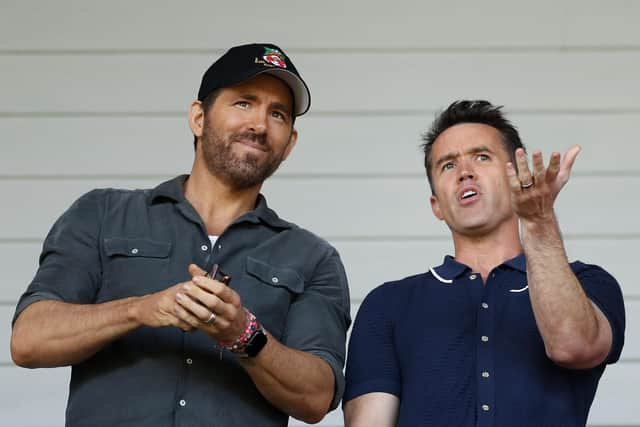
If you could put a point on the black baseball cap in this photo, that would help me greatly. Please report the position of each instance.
(241, 63)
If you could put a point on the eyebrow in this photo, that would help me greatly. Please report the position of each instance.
(473, 150)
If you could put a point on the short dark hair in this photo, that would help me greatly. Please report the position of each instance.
(207, 102)
(470, 111)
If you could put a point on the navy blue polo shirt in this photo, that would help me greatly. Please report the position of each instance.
(460, 353)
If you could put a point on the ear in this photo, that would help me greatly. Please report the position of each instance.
(293, 138)
(196, 118)
(435, 207)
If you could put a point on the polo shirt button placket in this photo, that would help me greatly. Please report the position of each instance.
(485, 356)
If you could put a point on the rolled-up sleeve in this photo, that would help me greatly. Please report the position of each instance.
(319, 318)
(69, 267)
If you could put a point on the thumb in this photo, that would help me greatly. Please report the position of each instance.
(194, 270)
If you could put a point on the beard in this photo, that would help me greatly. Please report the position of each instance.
(240, 171)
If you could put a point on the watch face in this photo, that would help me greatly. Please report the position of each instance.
(255, 344)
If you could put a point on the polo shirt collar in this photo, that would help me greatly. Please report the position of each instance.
(518, 263)
(174, 190)
(450, 269)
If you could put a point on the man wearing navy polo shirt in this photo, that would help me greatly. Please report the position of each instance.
(506, 332)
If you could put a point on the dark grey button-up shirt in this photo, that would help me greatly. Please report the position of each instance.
(113, 244)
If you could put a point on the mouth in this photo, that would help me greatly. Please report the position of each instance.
(468, 194)
(252, 144)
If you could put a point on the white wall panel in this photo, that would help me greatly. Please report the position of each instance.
(383, 207)
(19, 261)
(33, 398)
(333, 144)
(616, 401)
(322, 25)
(396, 81)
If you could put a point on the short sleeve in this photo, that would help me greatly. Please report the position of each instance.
(603, 289)
(319, 318)
(69, 267)
(372, 364)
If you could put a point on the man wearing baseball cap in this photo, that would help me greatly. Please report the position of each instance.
(193, 303)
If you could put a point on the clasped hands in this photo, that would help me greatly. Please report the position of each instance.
(202, 303)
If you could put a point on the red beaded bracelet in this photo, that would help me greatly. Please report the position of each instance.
(238, 345)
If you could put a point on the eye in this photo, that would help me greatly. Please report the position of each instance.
(447, 166)
(279, 115)
(483, 157)
(242, 104)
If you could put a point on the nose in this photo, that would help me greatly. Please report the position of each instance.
(466, 171)
(258, 122)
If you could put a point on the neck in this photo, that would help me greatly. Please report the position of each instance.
(483, 252)
(217, 204)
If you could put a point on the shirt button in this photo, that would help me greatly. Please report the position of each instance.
(485, 374)
(182, 402)
(204, 248)
(219, 246)
(485, 408)
(473, 277)
(189, 361)
(275, 279)
(134, 251)
(484, 338)
(485, 305)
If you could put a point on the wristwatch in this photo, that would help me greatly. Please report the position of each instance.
(256, 342)
(251, 341)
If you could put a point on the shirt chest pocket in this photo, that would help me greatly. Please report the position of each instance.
(268, 291)
(134, 267)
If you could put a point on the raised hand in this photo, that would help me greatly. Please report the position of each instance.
(534, 193)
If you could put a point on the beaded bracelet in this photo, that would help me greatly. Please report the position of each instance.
(238, 345)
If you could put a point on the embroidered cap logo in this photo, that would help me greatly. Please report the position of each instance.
(274, 57)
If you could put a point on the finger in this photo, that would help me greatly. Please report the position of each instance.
(197, 310)
(570, 158)
(194, 270)
(185, 317)
(524, 174)
(512, 177)
(554, 166)
(537, 162)
(222, 291)
(183, 325)
(202, 303)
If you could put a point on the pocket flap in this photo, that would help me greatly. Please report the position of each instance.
(275, 276)
(136, 247)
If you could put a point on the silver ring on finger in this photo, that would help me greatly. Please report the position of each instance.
(211, 319)
(527, 185)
